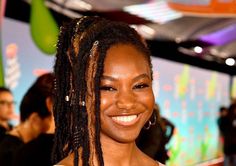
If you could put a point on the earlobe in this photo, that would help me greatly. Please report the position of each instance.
(49, 103)
(152, 121)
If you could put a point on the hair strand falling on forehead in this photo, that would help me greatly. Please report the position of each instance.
(81, 51)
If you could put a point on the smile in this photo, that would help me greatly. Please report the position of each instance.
(125, 120)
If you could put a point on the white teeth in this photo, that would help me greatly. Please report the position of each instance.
(124, 118)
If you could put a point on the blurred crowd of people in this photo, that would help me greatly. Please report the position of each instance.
(227, 127)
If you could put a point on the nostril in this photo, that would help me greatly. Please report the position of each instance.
(125, 100)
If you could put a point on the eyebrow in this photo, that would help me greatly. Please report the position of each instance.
(144, 75)
(104, 77)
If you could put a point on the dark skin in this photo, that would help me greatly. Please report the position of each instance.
(126, 105)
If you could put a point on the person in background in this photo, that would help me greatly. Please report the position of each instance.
(103, 94)
(6, 110)
(223, 111)
(38, 151)
(35, 119)
(153, 140)
(227, 128)
(167, 128)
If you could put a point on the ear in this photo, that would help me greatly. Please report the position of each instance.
(49, 104)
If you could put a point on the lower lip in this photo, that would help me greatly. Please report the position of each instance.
(129, 123)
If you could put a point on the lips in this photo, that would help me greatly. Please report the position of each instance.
(126, 120)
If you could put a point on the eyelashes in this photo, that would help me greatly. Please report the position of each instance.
(107, 88)
(141, 86)
(135, 87)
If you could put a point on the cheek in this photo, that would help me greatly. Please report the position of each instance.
(43, 125)
(146, 99)
(106, 101)
(46, 124)
(3, 109)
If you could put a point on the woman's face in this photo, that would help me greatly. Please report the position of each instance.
(126, 93)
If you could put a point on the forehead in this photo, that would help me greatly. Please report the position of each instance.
(125, 57)
(5, 95)
(125, 51)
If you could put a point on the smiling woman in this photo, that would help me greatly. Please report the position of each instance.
(126, 93)
(103, 94)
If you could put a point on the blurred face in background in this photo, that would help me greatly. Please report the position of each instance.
(6, 106)
(38, 124)
(42, 125)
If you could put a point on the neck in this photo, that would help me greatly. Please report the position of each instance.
(24, 132)
(119, 154)
(51, 129)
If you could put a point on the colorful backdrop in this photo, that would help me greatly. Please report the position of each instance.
(188, 96)
(23, 60)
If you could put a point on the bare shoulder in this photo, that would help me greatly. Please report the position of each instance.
(160, 164)
(152, 162)
(156, 163)
(68, 161)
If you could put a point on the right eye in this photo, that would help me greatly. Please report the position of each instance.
(107, 88)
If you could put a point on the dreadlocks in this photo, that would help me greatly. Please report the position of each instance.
(81, 51)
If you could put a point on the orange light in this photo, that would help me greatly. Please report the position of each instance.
(210, 8)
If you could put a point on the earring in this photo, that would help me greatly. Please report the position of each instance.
(151, 122)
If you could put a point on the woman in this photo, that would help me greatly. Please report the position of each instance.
(103, 94)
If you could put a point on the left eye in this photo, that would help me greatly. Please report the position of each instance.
(107, 88)
(141, 86)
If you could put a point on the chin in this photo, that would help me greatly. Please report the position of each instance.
(124, 137)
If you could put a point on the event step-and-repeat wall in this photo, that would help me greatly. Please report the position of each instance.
(188, 96)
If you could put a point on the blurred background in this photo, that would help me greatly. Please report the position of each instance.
(193, 44)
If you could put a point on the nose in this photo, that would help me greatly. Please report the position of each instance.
(125, 100)
(11, 105)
